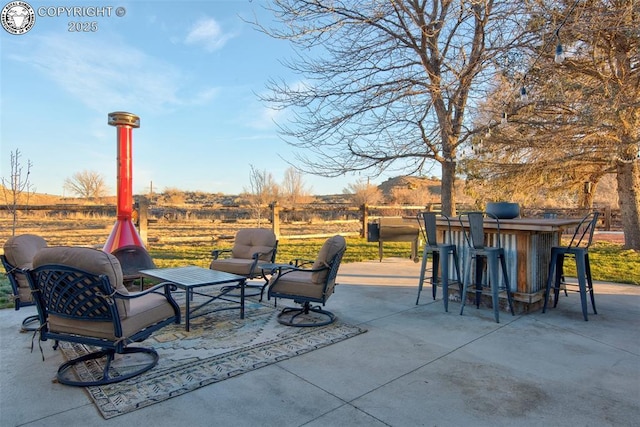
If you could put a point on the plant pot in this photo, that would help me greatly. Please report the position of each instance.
(503, 210)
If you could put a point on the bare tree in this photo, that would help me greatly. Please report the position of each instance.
(87, 184)
(17, 188)
(408, 196)
(364, 193)
(386, 84)
(263, 190)
(293, 189)
(172, 196)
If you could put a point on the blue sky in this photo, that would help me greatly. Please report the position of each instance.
(190, 69)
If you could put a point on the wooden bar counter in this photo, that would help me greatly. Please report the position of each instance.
(527, 243)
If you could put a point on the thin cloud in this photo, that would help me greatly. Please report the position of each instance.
(208, 33)
(205, 95)
(105, 74)
(266, 118)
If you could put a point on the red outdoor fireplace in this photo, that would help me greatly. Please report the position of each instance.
(124, 232)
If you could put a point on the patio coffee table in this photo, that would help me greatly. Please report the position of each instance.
(191, 277)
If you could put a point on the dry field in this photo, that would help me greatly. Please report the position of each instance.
(205, 234)
(82, 230)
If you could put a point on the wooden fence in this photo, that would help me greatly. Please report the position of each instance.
(277, 215)
(365, 215)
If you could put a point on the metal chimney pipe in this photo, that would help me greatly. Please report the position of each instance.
(124, 232)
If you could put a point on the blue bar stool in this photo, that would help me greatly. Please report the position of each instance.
(480, 254)
(440, 253)
(578, 248)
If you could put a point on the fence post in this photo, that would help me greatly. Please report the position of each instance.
(275, 219)
(607, 218)
(364, 209)
(143, 219)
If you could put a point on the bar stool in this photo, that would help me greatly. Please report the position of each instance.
(440, 253)
(578, 248)
(554, 215)
(479, 254)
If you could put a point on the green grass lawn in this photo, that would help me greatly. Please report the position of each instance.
(609, 262)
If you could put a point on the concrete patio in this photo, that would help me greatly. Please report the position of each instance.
(416, 365)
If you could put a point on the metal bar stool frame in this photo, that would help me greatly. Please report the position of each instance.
(440, 253)
(578, 248)
(479, 253)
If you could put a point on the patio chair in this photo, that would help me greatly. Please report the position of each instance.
(132, 259)
(308, 285)
(479, 254)
(251, 247)
(440, 254)
(18, 255)
(81, 299)
(578, 248)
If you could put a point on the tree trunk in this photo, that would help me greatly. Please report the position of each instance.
(586, 197)
(628, 177)
(448, 188)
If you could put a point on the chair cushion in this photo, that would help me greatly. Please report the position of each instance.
(19, 251)
(251, 240)
(305, 283)
(329, 249)
(238, 266)
(90, 260)
(143, 312)
(298, 283)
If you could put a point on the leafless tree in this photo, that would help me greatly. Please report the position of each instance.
(263, 190)
(17, 188)
(364, 193)
(87, 184)
(387, 85)
(409, 196)
(293, 188)
(172, 196)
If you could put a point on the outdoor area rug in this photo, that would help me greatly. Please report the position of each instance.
(219, 345)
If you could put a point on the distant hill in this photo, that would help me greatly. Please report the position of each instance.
(411, 182)
(199, 198)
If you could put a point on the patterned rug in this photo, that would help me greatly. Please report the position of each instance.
(219, 345)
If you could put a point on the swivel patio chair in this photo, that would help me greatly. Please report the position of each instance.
(479, 254)
(132, 259)
(81, 299)
(440, 254)
(18, 255)
(252, 246)
(308, 285)
(578, 248)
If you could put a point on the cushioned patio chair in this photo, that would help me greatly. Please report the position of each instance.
(81, 299)
(18, 256)
(308, 285)
(132, 259)
(251, 247)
